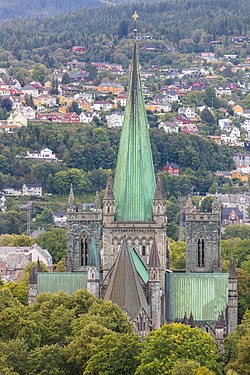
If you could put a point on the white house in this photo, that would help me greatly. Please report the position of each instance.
(223, 90)
(32, 189)
(223, 122)
(11, 191)
(188, 112)
(120, 100)
(28, 112)
(45, 154)
(169, 127)
(102, 105)
(246, 125)
(246, 113)
(115, 120)
(30, 90)
(87, 117)
(60, 218)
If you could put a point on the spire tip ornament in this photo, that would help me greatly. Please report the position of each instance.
(135, 16)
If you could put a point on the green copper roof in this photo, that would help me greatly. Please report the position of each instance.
(93, 258)
(139, 265)
(203, 294)
(134, 184)
(54, 282)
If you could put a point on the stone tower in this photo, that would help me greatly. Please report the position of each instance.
(203, 238)
(84, 224)
(232, 307)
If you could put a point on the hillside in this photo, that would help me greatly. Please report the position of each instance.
(189, 25)
(41, 8)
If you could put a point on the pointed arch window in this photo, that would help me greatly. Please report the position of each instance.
(201, 252)
(143, 251)
(84, 251)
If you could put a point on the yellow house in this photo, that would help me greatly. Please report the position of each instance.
(238, 110)
(48, 85)
(241, 176)
(17, 120)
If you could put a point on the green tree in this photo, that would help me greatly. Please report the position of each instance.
(165, 346)
(177, 254)
(237, 347)
(39, 73)
(65, 78)
(207, 116)
(115, 354)
(55, 241)
(49, 359)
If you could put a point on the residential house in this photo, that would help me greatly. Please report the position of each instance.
(115, 120)
(208, 56)
(231, 216)
(30, 90)
(50, 116)
(189, 128)
(242, 159)
(172, 169)
(45, 100)
(102, 105)
(187, 112)
(71, 117)
(106, 87)
(171, 96)
(84, 104)
(87, 117)
(13, 265)
(32, 189)
(223, 122)
(60, 218)
(241, 201)
(10, 190)
(223, 90)
(231, 136)
(246, 113)
(238, 110)
(169, 127)
(79, 49)
(120, 100)
(17, 120)
(242, 176)
(28, 112)
(225, 174)
(45, 154)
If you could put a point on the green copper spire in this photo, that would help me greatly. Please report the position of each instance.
(134, 184)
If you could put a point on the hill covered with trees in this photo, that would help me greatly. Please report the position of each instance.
(187, 24)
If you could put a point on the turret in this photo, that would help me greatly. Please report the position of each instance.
(159, 201)
(93, 270)
(71, 201)
(154, 267)
(185, 319)
(232, 307)
(191, 321)
(108, 202)
(32, 287)
(220, 329)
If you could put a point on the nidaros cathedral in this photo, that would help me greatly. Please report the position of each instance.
(118, 248)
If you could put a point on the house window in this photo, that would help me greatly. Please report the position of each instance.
(84, 251)
(201, 252)
(143, 251)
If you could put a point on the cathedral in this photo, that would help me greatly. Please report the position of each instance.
(118, 248)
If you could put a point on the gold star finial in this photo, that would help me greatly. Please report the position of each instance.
(135, 16)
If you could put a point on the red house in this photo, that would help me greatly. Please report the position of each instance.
(52, 116)
(189, 128)
(71, 117)
(78, 49)
(172, 169)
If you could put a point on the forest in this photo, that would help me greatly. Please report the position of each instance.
(78, 334)
(189, 25)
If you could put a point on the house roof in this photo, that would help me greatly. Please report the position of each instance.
(227, 211)
(16, 261)
(125, 288)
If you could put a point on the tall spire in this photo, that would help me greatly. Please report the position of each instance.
(154, 259)
(134, 184)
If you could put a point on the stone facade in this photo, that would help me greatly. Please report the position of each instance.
(203, 241)
(83, 226)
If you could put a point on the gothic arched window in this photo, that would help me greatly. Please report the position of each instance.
(84, 251)
(201, 252)
(143, 251)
